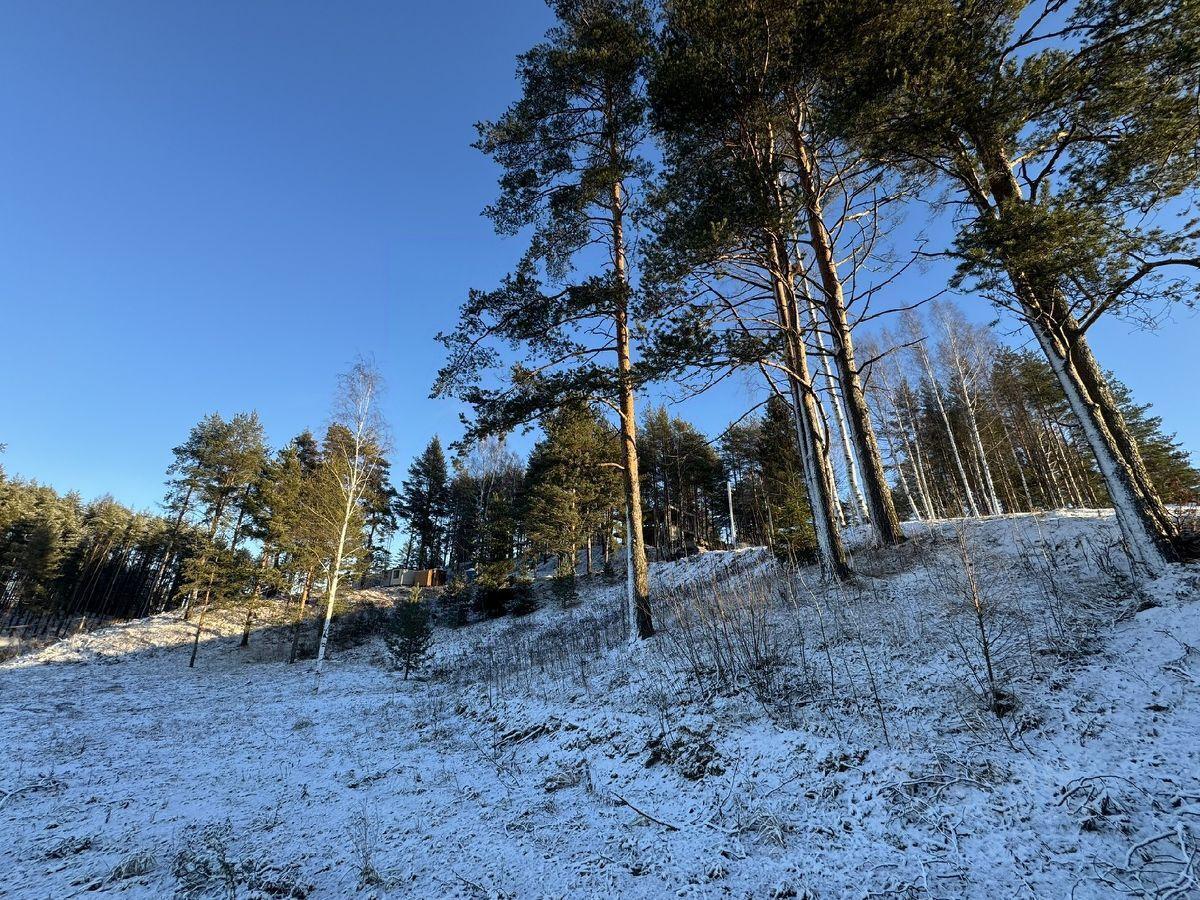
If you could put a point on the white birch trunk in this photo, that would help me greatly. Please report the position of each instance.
(937, 396)
(858, 499)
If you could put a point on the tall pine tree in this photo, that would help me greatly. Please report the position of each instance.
(569, 148)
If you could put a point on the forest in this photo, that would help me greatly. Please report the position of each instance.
(967, 425)
(900, 223)
(686, 221)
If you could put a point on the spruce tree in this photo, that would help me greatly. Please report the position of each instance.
(783, 483)
(424, 504)
(572, 483)
(408, 632)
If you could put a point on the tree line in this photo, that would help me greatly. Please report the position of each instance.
(706, 188)
(967, 426)
(241, 526)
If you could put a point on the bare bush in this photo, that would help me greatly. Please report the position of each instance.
(1161, 865)
(983, 630)
(761, 818)
(728, 636)
(363, 832)
(530, 657)
(135, 865)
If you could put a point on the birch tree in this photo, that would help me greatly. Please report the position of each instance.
(353, 446)
(964, 351)
(915, 333)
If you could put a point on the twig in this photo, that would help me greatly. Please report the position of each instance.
(644, 814)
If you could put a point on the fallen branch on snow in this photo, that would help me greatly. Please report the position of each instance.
(643, 813)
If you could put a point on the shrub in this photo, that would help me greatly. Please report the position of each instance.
(456, 603)
(493, 592)
(523, 599)
(565, 591)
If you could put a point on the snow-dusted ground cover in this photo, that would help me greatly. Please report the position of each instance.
(778, 739)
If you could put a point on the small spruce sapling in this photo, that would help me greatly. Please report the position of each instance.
(409, 633)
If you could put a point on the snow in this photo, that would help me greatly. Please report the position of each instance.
(545, 756)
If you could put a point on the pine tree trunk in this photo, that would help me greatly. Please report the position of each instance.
(1072, 484)
(200, 626)
(212, 534)
(175, 529)
(881, 508)
(300, 616)
(1053, 482)
(1145, 523)
(628, 423)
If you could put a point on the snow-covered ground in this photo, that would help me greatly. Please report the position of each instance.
(777, 739)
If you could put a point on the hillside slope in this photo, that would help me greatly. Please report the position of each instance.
(779, 739)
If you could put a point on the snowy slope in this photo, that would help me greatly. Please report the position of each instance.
(546, 757)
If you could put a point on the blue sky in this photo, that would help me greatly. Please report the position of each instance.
(216, 206)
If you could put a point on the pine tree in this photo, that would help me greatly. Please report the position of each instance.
(223, 460)
(726, 224)
(288, 530)
(569, 149)
(1066, 133)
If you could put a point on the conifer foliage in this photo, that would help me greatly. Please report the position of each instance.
(1070, 130)
(424, 503)
(703, 188)
(569, 150)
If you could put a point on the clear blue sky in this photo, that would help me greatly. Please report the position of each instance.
(215, 206)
